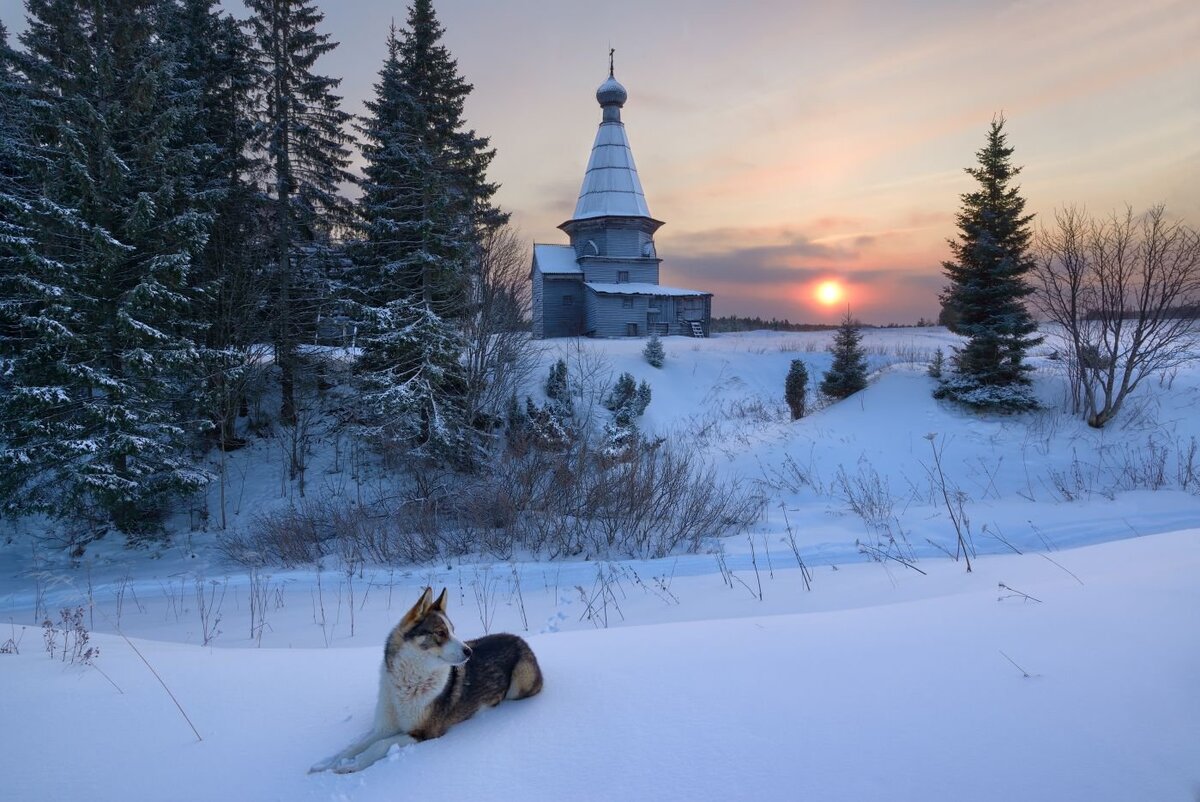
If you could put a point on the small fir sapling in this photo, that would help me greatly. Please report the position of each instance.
(938, 363)
(795, 389)
(558, 389)
(546, 429)
(628, 399)
(653, 352)
(848, 374)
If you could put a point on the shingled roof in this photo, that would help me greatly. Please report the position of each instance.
(611, 187)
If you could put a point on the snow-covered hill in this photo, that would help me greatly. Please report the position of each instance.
(1062, 667)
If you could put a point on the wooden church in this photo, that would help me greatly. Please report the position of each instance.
(605, 283)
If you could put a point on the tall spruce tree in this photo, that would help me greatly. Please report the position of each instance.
(17, 190)
(438, 95)
(461, 157)
(107, 326)
(988, 285)
(426, 205)
(307, 155)
(406, 278)
(25, 276)
(220, 76)
(848, 373)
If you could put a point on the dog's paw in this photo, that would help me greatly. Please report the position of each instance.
(347, 765)
(323, 765)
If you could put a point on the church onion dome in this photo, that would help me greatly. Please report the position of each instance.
(611, 187)
(611, 93)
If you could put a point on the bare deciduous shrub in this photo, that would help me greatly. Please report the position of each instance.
(1123, 292)
(498, 352)
(287, 537)
(603, 595)
(1074, 482)
(660, 500)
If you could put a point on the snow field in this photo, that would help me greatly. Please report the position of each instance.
(906, 700)
(707, 676)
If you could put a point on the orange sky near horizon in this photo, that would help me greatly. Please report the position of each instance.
(787, 143)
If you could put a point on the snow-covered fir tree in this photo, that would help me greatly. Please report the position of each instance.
(558, 389)
(627, 400)
(107, 325)
(17, 188)
(937, 365)
(795, 389)
(431, 78)
(653, 352)
(988, 286)
(405, 280)
(848, 373)
(219, 76)
(425, 204)
(306, 148)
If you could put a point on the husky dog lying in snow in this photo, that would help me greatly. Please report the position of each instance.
(430, 681)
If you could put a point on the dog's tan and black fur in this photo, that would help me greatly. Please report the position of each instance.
(431, 681)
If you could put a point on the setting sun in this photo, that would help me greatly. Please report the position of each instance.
(830, 292)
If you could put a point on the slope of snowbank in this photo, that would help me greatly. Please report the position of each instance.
(906, 701)
(707, 676)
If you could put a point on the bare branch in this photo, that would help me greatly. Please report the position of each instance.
(1124, 291)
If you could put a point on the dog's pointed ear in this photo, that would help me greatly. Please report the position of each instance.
(420, 608)
(440, 604)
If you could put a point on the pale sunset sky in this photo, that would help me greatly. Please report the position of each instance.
(788, 143)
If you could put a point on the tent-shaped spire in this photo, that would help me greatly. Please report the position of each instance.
(611, 187)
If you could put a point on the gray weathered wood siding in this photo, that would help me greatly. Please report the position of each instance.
(604, 271)
(618, 240)
(666, 309)
(688, 308)
(561, 319)
(539, 331)
(608, 316)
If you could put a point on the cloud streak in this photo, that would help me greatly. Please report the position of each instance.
(780, 279)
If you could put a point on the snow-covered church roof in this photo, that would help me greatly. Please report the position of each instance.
(555, 259)
(611, 187)
(627, 288)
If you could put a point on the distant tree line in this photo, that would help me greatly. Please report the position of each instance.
(733, 323)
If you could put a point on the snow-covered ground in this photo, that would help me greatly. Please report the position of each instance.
(1064, 666)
